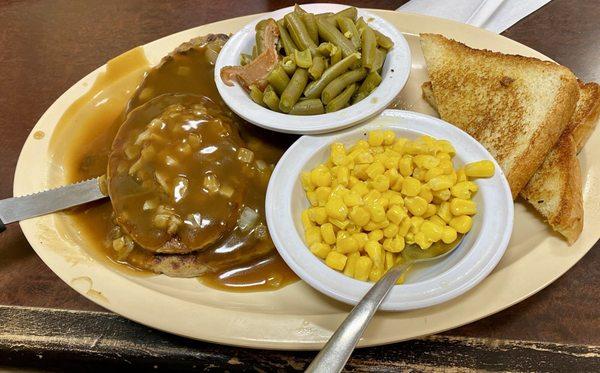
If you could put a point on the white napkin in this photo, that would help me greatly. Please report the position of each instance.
(493, 15)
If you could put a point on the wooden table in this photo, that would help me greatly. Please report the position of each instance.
(47, 45)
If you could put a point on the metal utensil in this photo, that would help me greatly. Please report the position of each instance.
(337, 351)
(42, 203)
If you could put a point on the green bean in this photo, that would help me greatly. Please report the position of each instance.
(256, 95)
(303, 59)
(317, 68)
(330, 33)
(361, 24)
(310, 22)
(341, 100)
(286, 39)
(314, 89)
(358, 97)
(379, 59)
(369, 47)
(298, 10)
(260, 36)
(278, 78)
(336, 55)
(349, 29)
(327, 17)
(371, 82)
(293, 91)
(337, 85)
(312, 106)
(245, 59)
(298, 31)
(270, 98)
(289, 64)
(350, 12)
(383, 41)
(325, 49)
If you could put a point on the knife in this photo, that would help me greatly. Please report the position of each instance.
(49, 201)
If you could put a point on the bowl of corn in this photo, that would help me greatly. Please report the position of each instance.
(385, 80)
(341, 209)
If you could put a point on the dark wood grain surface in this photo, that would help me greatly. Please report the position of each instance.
(47, 45)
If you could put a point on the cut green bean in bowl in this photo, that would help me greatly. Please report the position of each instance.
(310, 64)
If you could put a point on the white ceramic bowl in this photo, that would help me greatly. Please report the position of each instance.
(436, 282)
(395, 73)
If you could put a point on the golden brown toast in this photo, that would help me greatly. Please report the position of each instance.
(516, 106)
(555, 188)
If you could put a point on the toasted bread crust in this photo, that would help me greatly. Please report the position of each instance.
(586, 115)
(495, 114)
(560, 173)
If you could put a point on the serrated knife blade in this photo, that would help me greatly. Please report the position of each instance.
(52, 200)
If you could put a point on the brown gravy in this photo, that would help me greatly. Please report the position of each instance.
(86, 155)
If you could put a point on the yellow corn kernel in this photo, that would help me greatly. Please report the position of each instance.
(426, 194)
(390, 260)
(371, 226)
(341, 224)
(312, 235)
(432, 231)
(360, 144)
(446, 147)
(434, 172)
(312, 198)
(431, 210)
(444, 212)
(361, 238)
(320, 176)
(364, 157)
(419, 174)
(388, 137)
(352, 199)
(352, 180)
(375, 235)
(441, 182)
(360, 188)
(417, 206)
(410, 238)
(415, 223)
(397, 245)
(336, 260)
(422, 241)
(443, 156)
(384, 202)
(387, 243)
(336, 209)
(381, 183)
(390, 231)
(322, 194)
(449, 234)
(377, 212)
(341, 234)
(405, 166)
(360, 172)
(327, 233)
(440, 196)
(460, 175)
(391, 163)
(473, 188)
(318, 215)
(416, 147)
(346, 245)
(306, 222)
(375, 252)
(375, 274)
(462, 223)
(446, 166)
(306, 181)
(426, 161)
(375, 138)
(338, 191)
(363, 268)
(411, 187)
(360, 215)
(342, 175)
(338, 153)
(320, 249)
(350, 267)
(392, 175)
(394, 198)
(459, 206)
(480, 169)
(375, 169)
(353, 228)
(396, 214)
(404, 227)
(398, 146)
(461, 190)
(437, 220)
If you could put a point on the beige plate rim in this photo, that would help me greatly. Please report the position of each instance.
(528, 266)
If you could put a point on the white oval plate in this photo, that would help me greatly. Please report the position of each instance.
(296, 317)
(395, 73)
(431, 284)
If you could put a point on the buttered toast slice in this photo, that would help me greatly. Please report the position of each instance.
(555, 188)
(517, 107)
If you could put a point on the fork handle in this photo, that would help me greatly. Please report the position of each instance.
(337, 351)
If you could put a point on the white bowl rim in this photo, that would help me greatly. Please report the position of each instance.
(397, 70)
(485, 253)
